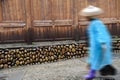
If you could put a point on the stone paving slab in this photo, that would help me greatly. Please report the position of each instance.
(17, 75)
(3, 77)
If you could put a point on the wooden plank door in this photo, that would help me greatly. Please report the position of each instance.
(12, 20)
(41, 11)
(52, 19)
(63, 16)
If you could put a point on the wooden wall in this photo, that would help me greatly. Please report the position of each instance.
(41, 20)
(110, 17)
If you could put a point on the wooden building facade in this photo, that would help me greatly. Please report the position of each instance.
(45, 20)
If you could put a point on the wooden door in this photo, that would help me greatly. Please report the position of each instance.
(52, 19)
(41, 11)
(41, 20)
(63, 16)
(12, 20)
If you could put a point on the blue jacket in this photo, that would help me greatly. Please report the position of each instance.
(98, 34)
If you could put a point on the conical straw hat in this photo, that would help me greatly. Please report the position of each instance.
(91, 11)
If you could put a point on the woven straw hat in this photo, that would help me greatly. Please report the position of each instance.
(91, 11)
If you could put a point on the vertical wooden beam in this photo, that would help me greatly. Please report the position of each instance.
(75, 13)
(28, 13)
(0, 21)
(118, 9)
(75, 20)
(52, 17)
(28, 29)
(0, 11)
(118, 16)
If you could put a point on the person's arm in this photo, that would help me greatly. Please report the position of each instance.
(101, 34)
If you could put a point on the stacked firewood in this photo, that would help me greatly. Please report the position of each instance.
(34, 55)
(37, 55)
(116, 46)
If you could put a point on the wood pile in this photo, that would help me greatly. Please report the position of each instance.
(34, 55)
(13, 57)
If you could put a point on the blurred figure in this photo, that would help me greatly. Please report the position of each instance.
(99, 53)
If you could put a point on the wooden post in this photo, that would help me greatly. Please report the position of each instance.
(75, 20)
(28, 37)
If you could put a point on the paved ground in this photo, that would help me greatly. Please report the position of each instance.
(72, 69)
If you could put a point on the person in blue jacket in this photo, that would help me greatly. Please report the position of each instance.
(99, 53)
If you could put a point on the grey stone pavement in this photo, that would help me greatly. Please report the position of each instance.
(72, 69)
